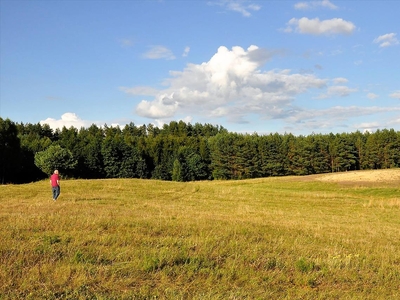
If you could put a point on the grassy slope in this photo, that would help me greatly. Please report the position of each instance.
(276, 238)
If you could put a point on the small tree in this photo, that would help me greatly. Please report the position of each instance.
(177, 171)
(55, 157)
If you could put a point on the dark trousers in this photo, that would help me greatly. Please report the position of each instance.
(56, 192)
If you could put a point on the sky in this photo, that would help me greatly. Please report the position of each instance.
(299, 67)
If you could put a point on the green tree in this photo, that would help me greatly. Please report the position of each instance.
(188, 166)
(391, 148)
(228, 153)
(55, 157)
(319, 153)
(88, 153)
(273, 153)
(177, 171)
(382, 150)
(9, 151)
(359, 141)
(121, 157)
(221, 152)
(301, 153)
(247, 160)
(374, 156)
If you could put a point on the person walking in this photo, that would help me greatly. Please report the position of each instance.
(55, 184)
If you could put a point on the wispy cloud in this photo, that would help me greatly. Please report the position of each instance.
(314, 5)
(337, 91)
(139, 90)
(338, 116)
(340, 80)
(320, 27)
(243, 7)
(186, 51)
(159, 52)
(126, 43)
(387, 40)
(372, 96)
(395, 95)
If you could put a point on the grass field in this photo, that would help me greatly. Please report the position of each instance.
(273, 238)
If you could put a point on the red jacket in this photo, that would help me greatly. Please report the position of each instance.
(54, 180)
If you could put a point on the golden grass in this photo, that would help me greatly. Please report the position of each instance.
(273, 238)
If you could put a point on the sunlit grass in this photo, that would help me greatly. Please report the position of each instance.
(274, 238)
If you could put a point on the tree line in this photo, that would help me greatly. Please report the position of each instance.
(184, 152)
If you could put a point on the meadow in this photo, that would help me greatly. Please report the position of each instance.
(273, 238)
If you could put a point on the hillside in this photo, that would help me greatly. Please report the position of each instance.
(297, 237)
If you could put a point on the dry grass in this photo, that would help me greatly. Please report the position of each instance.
(386, 175)
(274, 238)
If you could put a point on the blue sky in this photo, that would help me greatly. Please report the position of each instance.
(251, 66)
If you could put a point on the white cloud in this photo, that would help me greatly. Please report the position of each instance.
(318, 27)
(395, 95)
(240, 6)
(385, 123)
(231, 84)
(68, 119)
(372, 96)
(314, 5)
(337, 116)
(187, 119)
(186, 51)
(337, 91)
(126, 43)
(163, 106)
(368, 126)
(387, 40)
(159, 52)
(140, 90)
(395, 121)
(339, 80)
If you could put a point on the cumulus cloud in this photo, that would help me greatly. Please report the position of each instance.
(162, 107)
(387, 40)
(320, 27)
(395, 95)
(68, 119)
(231, 85)
(241, 6)
(314, 5)
(159, 52)
(235, 85)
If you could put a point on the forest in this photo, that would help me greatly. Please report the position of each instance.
(181, 151)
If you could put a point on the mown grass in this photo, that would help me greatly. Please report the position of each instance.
(273, 238)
